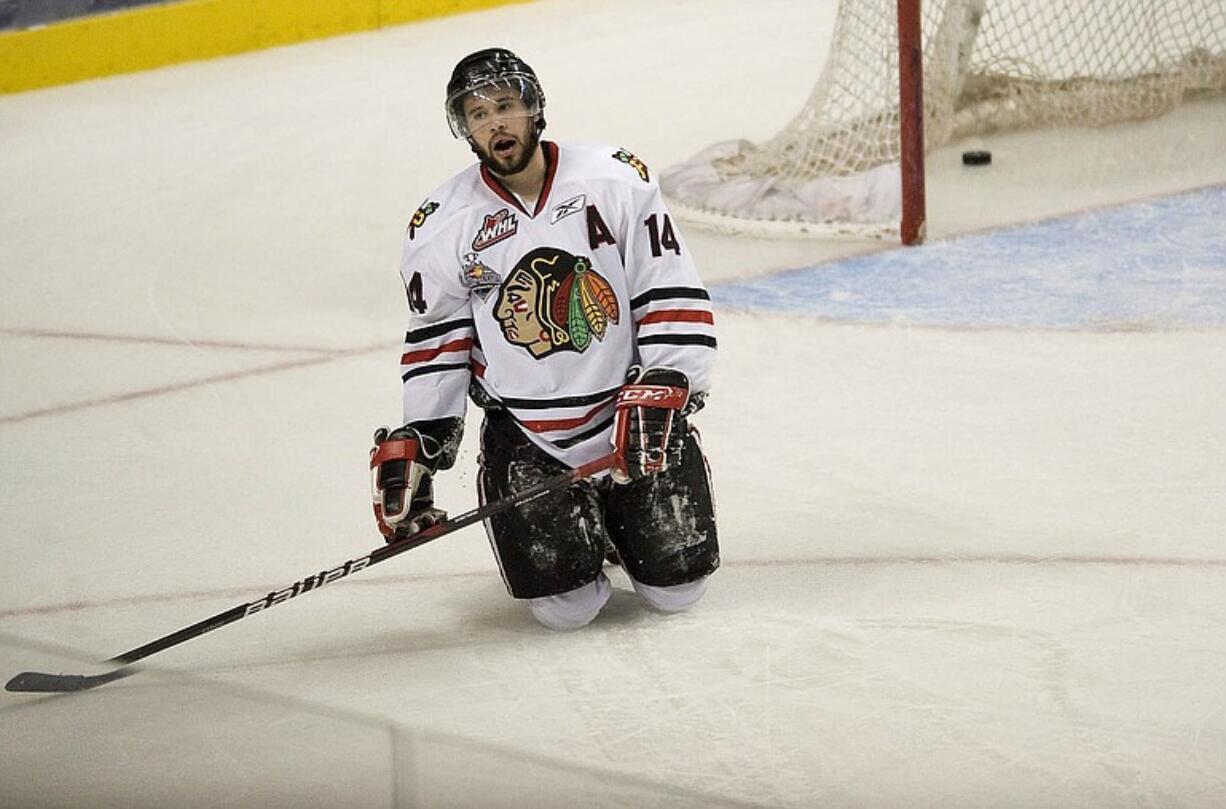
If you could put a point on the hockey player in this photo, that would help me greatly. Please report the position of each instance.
(549, 283)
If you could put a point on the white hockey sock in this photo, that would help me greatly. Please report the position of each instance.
(677, 598)
(573, 609)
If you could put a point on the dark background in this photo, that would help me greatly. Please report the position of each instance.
(17, 14)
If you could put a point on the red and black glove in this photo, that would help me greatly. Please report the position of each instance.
(402, 465)
(649, 426)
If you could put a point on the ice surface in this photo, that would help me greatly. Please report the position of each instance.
(1143, 265)
(971, 506)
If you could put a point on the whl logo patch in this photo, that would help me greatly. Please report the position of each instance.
(499, 226)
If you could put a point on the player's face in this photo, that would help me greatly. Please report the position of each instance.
(502, 128)
(516, 309)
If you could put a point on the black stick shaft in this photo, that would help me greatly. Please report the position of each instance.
(37, 681)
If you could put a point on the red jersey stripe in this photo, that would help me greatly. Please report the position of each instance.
(549, 425)
(427, 354)
(678, 316)
(551, 169)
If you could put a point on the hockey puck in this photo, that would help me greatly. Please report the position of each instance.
(976, 158)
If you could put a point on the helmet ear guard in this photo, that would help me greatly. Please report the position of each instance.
(492, 67)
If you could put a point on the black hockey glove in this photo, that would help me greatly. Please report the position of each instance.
(402, 465)
(649, 426)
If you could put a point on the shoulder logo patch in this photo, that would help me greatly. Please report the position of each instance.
(495, 228)
(633, 162)
(553, 301)
(420, 216)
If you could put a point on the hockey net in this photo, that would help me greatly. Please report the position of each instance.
(988, 66)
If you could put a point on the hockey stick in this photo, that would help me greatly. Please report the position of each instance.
(39, 682)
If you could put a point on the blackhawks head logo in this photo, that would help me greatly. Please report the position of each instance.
(553, 301)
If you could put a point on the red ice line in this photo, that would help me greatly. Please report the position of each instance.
(152, 340)
(321, 355)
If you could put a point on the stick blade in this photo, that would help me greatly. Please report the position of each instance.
(37, 682)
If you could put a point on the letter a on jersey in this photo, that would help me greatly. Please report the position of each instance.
(597, 231)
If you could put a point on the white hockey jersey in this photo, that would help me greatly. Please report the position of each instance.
(545, 310)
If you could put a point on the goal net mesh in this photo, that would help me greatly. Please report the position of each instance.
(989, 65)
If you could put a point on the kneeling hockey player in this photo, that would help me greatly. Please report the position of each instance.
(549, 282)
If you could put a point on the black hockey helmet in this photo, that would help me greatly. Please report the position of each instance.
(489, 68)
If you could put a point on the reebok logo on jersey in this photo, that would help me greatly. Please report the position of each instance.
(499, 226)
(565, 209)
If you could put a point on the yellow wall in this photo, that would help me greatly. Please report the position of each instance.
(151, 36)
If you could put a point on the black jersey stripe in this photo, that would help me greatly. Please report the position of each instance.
(433, 369)
(567, 443)
(437, 330)
(678, 340)
(670, 293)
(565, 401)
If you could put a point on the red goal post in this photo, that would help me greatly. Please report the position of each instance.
(902, 78)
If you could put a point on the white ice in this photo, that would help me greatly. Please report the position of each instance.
(962, 567)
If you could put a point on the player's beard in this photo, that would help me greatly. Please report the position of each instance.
(504, 168)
